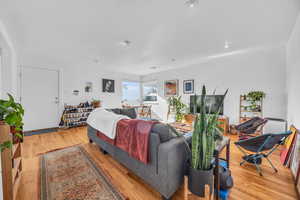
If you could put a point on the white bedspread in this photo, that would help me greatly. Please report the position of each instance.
(105, 121)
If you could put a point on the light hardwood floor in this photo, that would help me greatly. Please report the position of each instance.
(248, 185)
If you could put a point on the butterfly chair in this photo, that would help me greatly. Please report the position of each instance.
(145, 111)
(261, 147)
(251, 126)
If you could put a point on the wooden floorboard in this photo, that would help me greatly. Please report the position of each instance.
(248, 185)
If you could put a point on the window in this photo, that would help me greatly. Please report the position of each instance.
(150, 94)
(131, 92)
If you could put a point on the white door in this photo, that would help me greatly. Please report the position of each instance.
(40, 98)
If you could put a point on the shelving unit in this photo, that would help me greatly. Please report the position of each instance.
(11, 162)
(248, 110)
(75, 115)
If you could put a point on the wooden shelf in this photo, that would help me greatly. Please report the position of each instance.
(16, 150)
(75, 116)
(248, 114)
(17, 166)
(11, 162)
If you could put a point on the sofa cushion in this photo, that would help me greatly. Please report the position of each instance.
(164, 132)
(129, 112)
(115, 110)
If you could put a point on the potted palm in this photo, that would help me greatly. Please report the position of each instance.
(205, 134)
(11, 113)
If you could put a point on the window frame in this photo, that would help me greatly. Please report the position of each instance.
(139, 100)
(142, 88)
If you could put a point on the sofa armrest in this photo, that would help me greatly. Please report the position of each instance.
(172, 162)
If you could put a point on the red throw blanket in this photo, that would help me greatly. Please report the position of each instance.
(132, 137)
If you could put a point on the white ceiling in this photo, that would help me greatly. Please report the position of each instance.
(68, 32)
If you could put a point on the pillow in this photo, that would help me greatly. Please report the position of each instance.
(129, 112)
(116, 111)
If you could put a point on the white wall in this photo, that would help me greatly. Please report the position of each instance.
(8, 63)
(75, 77)
(293, 75)
(258, 69)
(8, 72)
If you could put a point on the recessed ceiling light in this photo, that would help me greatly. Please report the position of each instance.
(191, 3)
(125, 43)
(153, 67)
(227, 44)
(96, 60)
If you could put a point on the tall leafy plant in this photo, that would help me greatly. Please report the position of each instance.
(176, 104)
(206, 132)
(11, 113)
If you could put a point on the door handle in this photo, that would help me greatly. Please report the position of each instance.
(56, 100)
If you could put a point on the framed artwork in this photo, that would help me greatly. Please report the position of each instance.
(171, 88)
(108, 85)
(188, 86)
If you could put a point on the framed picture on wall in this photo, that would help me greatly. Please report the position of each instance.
(108, 85)
(188, 86)
(171, 88)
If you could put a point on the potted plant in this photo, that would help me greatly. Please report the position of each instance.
(256, 95)
(11, 113)
(205, 134)
(177, 107)
(96, 103)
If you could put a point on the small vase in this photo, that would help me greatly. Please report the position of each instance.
(96, 104)
(198, 179)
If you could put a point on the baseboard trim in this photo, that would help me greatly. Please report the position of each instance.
(40, 131)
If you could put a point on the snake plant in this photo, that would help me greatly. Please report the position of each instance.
(206, 132)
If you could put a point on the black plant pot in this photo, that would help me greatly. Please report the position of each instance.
(198, 179)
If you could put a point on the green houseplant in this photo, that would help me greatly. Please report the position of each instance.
(11, 113)
(205, 134)
(254, 97)
(176, 106)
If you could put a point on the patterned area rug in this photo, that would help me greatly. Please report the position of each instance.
(70, 174)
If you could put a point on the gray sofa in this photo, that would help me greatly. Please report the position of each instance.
(168, 155)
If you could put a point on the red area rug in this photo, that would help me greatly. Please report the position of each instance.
(70, 174)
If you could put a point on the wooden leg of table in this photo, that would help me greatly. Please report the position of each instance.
(228, 154)
(217, 178)
(182, 192)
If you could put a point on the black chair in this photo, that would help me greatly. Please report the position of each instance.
(251, 126)
(261, 146)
